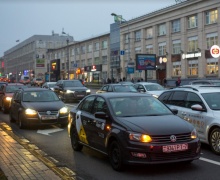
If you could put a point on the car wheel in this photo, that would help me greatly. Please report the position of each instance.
(20, 122)
(115, 156)
(214, 141)
(75, 140)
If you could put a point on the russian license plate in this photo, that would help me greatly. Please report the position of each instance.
(48, 117)
(175, 148)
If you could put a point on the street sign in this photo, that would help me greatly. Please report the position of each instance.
(122, 52)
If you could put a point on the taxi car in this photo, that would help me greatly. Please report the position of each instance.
(117, 88)
(37, 106)
(6, 93)
(199, 105)
(152, 88)
(127, 128)
(71, 90)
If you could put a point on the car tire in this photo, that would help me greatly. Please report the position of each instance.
(75, 140)
(116, 156)
(214, 140)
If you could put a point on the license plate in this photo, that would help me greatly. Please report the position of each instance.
(48, 117)
(175, 148)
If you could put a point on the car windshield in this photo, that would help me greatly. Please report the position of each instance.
(154, 87)
(40, 96)
(12, 89)
(73, 84)
(212, 99)
(125, 88)
(26, 78)
(217, 83)
(138, 106)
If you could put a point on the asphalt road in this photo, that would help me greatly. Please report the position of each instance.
(92, 165)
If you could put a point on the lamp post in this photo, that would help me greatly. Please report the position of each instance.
(67, 58)
(119, 18)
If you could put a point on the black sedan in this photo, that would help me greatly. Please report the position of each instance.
(132, 128)
(118, 87)
(37, 106)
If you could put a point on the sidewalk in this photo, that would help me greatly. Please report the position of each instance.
(18, 162)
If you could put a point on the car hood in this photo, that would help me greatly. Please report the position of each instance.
(9, 94)
(44, 106)
(154, 125)
(76, 88)
(156, 92)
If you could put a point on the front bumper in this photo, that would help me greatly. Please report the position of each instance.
(153, 154)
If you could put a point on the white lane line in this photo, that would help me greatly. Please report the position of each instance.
(210, 161)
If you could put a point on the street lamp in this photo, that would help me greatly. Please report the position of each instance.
(67, 54)
(119, 18)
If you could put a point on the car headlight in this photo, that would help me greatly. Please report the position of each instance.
(30, 112)
(64, 110)
(194, 134)
(88, 91)
(69, 91)
(140, 137)
(8, 98)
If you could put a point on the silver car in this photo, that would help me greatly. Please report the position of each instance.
(199, 105)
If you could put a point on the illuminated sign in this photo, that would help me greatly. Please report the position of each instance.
(192, 55)
(215, 51)
(93, 68)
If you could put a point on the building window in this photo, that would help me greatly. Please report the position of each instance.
(73, 52)
(193, 67)
(96, 46)
(149, 49)
(77, 51)
(211, 39)
(63, 66)
(192, 44)
(137, 35)
(162, 29)
(126, 38)
(192, 21)
(89, 48)
(78, 63)
(211, 16)
(83, 49)
(89, 62)
(83, 63)
(176, 68)
(97, 61)
(104, 44)
(176, 25)
(176, 46)
(104, 60)
(149, 33)
(138, 50)
(212, 66)
(162, 48)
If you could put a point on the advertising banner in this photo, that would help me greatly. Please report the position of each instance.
(40, 62)
(145, 61)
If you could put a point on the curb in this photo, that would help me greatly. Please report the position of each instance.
(62, 171)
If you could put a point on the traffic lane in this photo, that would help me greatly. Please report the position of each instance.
(85, 163)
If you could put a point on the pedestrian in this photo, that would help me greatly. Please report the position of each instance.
(132, 80)
(178, 82)
(165, 82)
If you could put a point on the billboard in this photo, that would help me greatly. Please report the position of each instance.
(145, 61)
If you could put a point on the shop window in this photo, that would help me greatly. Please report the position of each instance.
(176, 68)
(212, 66)
(193, 67)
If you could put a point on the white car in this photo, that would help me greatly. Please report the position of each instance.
(199, 105)
(152, 88)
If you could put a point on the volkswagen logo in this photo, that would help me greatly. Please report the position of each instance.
(48, 112)
(173, 138)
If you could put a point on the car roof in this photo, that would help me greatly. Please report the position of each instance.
(145, 83)
(125, 94)
(35, 89)
(15, 84)
(119, 84)
(197, 88)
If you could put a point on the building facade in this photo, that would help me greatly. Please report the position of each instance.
(29, 56)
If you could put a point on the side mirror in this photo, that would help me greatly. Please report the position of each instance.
(197, 107)
(101, 115)
(175, 111)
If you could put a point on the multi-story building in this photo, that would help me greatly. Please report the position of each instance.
(29, 56)
(183, 33)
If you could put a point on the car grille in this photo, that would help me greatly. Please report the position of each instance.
(172, 156)
(77, 93)
(165, 139)
(51, 113)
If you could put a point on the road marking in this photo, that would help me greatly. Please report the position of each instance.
(210, 161)
(48, 131)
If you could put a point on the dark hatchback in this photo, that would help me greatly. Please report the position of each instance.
(71, 90)
(132, 128)
(37, 106)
